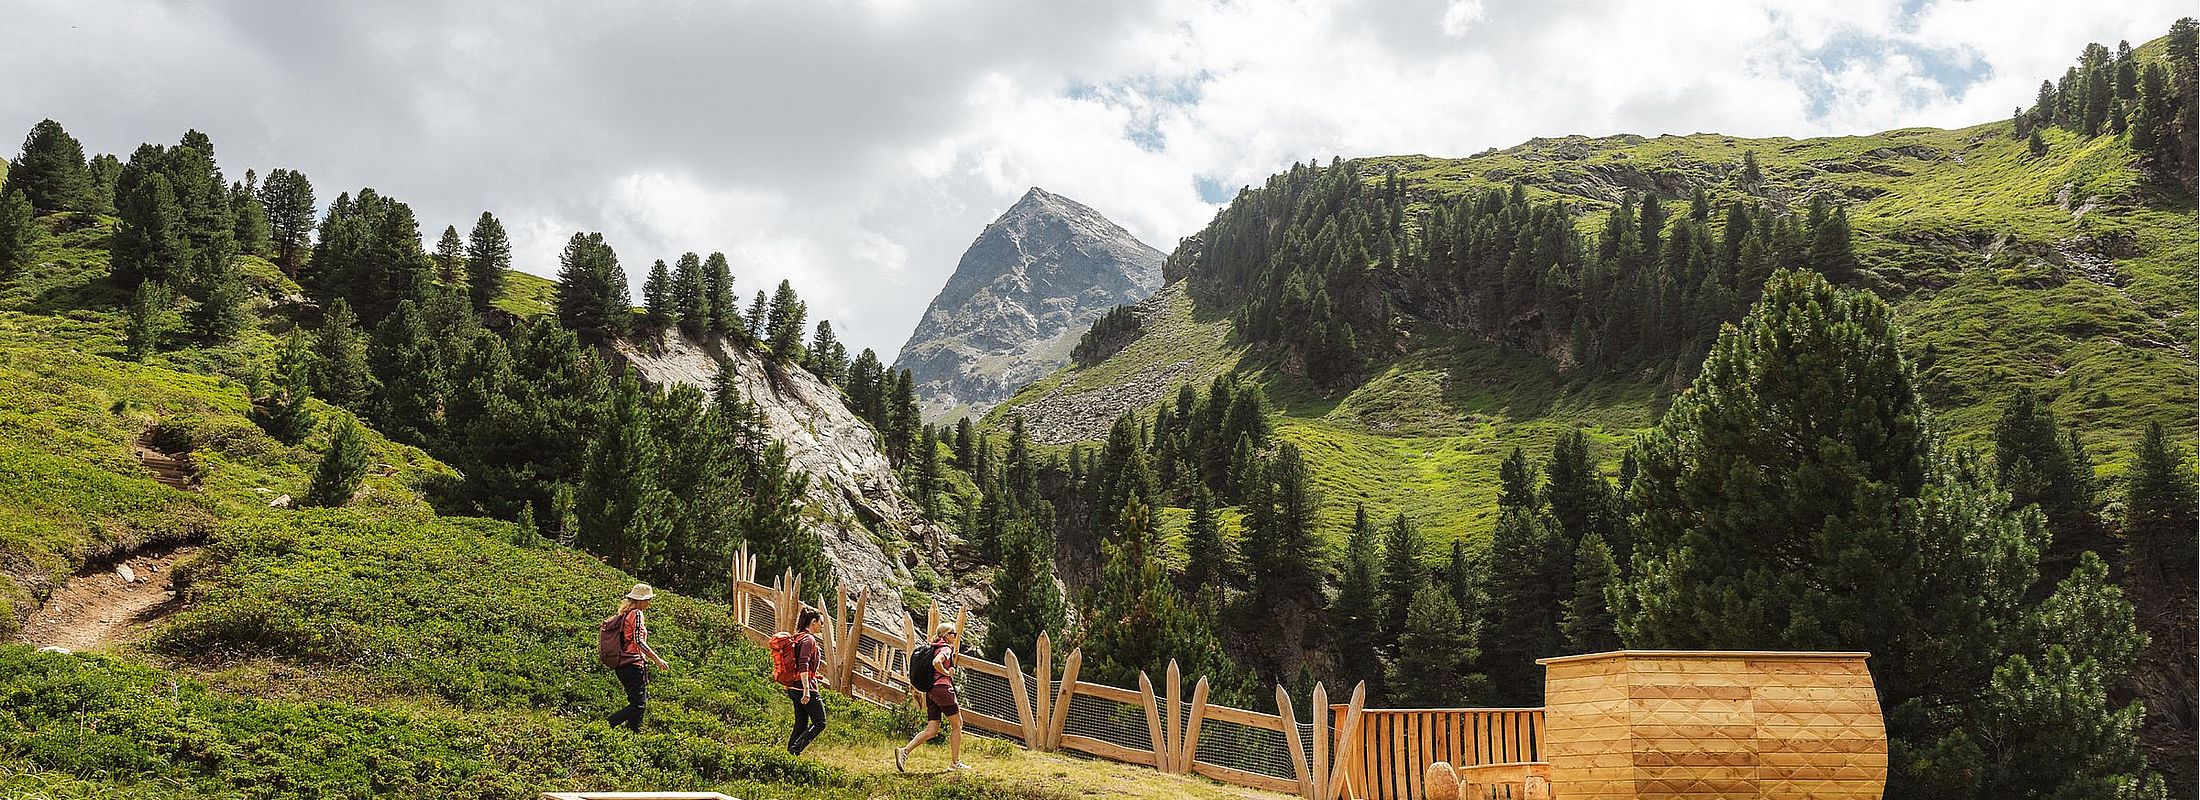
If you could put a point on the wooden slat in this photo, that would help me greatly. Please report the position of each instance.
(1291, 739)
(976, 664)
(1042, 694)
(1242, 778)
(1348, 740)
(1320, 769)
(1024, 716)
(1061, 704)
(991, 724)
(1153, 722)
(1250, 719)
(1189, 748)
(1171, 734)
(1108, 750)
(1124, 696)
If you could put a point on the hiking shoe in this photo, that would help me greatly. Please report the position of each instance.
(901, 760)
(960, 766)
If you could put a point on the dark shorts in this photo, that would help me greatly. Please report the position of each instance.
(940, 702)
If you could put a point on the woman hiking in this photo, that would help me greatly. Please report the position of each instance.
(622, 643)
(939, 700)
(809, 702)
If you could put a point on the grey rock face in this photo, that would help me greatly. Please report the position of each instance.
(1018, 301)
(872, 534)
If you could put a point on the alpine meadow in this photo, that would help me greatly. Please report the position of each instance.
(1845, 466)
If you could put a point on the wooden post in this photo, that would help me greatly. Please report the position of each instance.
(1291, 740)
(1173, 734)
(1348, 739)
(1041, 706)
(1153, 723)
(1024, 714)
(1188, 751)
(932, 621)
(1061, 704)
(846, 665)
(1320, 770)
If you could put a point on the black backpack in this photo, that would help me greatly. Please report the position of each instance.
(920, 666)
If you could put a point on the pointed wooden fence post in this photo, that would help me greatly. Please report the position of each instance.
(1042, 663)
(1060, 719)
(1153, 723)
(851, 643)
(1024, 716)
(1187, 751)
(1324, 779)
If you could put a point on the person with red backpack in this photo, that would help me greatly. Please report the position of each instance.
(622, 643)
(795, 668)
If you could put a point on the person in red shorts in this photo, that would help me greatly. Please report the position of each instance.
(939, 701)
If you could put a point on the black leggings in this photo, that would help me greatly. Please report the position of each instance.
(809, 719)
(636, 682)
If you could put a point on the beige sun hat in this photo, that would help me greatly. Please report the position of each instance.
(641, 591)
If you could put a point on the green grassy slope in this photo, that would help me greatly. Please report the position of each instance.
(2064, 273)
(376, 650)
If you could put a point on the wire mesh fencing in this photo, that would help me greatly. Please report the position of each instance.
(1101, 719)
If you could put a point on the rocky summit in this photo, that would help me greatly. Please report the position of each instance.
(1020, 297)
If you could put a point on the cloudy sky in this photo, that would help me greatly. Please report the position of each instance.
(856, 147)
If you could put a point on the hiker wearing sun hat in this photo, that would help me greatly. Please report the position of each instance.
(622, 643)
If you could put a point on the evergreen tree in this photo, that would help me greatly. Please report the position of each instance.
(149, 242)
(691, 296)
(624, 512)
(1135, 622)
(785, 322)
(1283, 558)
(343, 466)
(283, 414)
(1516, 482)
(340, 374)
(148, 321)
(1587, 622)
(450, 257)
(2036, 143)
(718, 286)
(1751, 175)
(252, 233)
(826, 357)
(18, 231)
(700, 463)
(755, 318)
(1206, 556)
(591, 297)
(1830, 252)
(659, 305)
(104, 169)
(1577, 497)
(50, 170)
(2159, 513)
(1402, 577)
(408, 369)
(488, 258)
(221, 312)
(1356, 616)
(288, 199)
(2035, 464)
(1026, 600)
(1865, 537)
(1521, 617)
(1435, 656)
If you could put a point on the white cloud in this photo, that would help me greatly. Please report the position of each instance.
(856, 147)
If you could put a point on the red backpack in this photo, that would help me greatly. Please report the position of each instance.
(611, 649)
(782, 647)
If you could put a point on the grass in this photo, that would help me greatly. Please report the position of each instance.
(527, 295)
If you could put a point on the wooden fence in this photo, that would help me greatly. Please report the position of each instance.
(1398, 745)
(1044, 709)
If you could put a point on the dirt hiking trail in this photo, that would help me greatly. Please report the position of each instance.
(101, 607)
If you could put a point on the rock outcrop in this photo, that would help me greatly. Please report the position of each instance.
(874, 536)
(1019, 299)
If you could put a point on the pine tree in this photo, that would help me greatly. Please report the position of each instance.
(252, 233)
(488, 258)
(1402, 576)
(104, 170)
(284, 414)
(449, 257)
(1283, 558)
(149, 242)
(755, 318)
(149, 320)
(592, 298)
(408, 367)
(2036, 464)
(718, 286)
(1206, 556)
(1587, 622)
(691, 296)
(340, 374)
(1026, 600)
(1576, 496)
(1135, 622)
(1830, 251)
(1356, 617)
(826, 357)
(220, 314)
(1435, 656)
(2159, 513)
(1752, 177)
(288, 199)
(1516, 482)
(658, 303)
(18, 231)
(1865, 537)
(784, 324)
(1521, 617)
(2036, 143)
(343, 466)
(624, 512)
(50, 170)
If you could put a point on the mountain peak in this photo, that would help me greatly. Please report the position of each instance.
(1033, 280)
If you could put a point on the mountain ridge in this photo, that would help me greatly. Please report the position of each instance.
(1019, 297)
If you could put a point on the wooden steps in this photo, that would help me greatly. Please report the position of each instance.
(167, 468)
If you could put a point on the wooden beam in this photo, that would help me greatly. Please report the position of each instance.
(1320, 769)
(1041, 706)
(1024, 715)
(1153, 722)
(1061, 703)
(1348, 738)
(1188, 753)
(1171, 734)
(1291, 740)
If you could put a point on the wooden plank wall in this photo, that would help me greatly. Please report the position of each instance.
(1398, 745)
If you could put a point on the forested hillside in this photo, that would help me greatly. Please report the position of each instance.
(1465, 367)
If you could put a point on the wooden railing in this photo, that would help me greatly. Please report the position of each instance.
(1398, 745)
